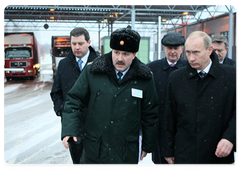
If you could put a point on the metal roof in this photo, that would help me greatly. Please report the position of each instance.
(144, 13)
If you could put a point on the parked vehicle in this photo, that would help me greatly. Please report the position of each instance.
(60, 48)
(22, 55)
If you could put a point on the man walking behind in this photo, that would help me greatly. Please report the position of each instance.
(68, 71)
(173, 45)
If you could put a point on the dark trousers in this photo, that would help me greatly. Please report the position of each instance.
(76, 150)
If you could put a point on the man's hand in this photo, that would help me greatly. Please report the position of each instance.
(65, 141)
(170, 160)
(224, 148)
(144, 154)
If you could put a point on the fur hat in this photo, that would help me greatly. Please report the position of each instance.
(173, 39)
(125, 39)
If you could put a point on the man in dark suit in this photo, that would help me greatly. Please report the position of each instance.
(68, 71)
(220, 46)
(173, 44)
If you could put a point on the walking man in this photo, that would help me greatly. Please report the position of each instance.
(68, 72)
(173, 45)
(199, 121)
(120, 94)
(220, 46)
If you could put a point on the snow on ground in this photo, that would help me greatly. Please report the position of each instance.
(147, 160)
(11, 88)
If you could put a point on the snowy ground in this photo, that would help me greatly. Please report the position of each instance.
(31, 128)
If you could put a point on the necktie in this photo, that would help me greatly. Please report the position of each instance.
(80, 64)
(202, 74)
(172, 65)
(119, 76)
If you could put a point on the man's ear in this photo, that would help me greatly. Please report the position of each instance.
(134, 54)
(89, 42)
(210, 50)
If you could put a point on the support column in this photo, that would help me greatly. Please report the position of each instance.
(133, 17)
(99, 37)
(230, 32)
(159, 36)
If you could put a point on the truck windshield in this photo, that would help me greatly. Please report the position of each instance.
(62, 52)
(17, 53)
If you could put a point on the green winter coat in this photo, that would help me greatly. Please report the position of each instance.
(115, 115)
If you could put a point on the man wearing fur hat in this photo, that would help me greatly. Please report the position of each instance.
(121, 97)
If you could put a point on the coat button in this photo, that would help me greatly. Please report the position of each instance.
(111, 121)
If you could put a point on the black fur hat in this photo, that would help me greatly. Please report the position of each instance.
(125, 39)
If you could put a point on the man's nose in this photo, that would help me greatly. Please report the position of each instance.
(77, 47)
(217, 51)
(191, 57)
(120, 57)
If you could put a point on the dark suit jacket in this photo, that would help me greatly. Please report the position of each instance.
(229, 61)
(67, 74)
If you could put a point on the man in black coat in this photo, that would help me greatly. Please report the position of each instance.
(67, 73)
(173, 44)
(220, 46)
(199, 120)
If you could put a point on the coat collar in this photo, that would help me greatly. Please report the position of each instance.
(91, 57)
(178, 65)
(103, 65)
(213, 70)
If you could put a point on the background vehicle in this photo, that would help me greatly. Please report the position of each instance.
(60, 47)
(22, 55)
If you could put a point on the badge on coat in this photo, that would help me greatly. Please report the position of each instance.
(137, 93)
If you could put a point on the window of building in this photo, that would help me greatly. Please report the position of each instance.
(225, 34)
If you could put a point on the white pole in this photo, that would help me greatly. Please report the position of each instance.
(133, 17)
(230, 32)
(159, 37)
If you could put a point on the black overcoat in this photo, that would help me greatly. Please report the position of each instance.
(67, 74)
(161, 71)
(199, 113)
(229, 61)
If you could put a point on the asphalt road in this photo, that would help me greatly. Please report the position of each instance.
(31, 129)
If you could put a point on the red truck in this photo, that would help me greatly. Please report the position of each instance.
(61, 45)
(22, 55)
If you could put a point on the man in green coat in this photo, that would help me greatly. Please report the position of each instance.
(120, 94)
